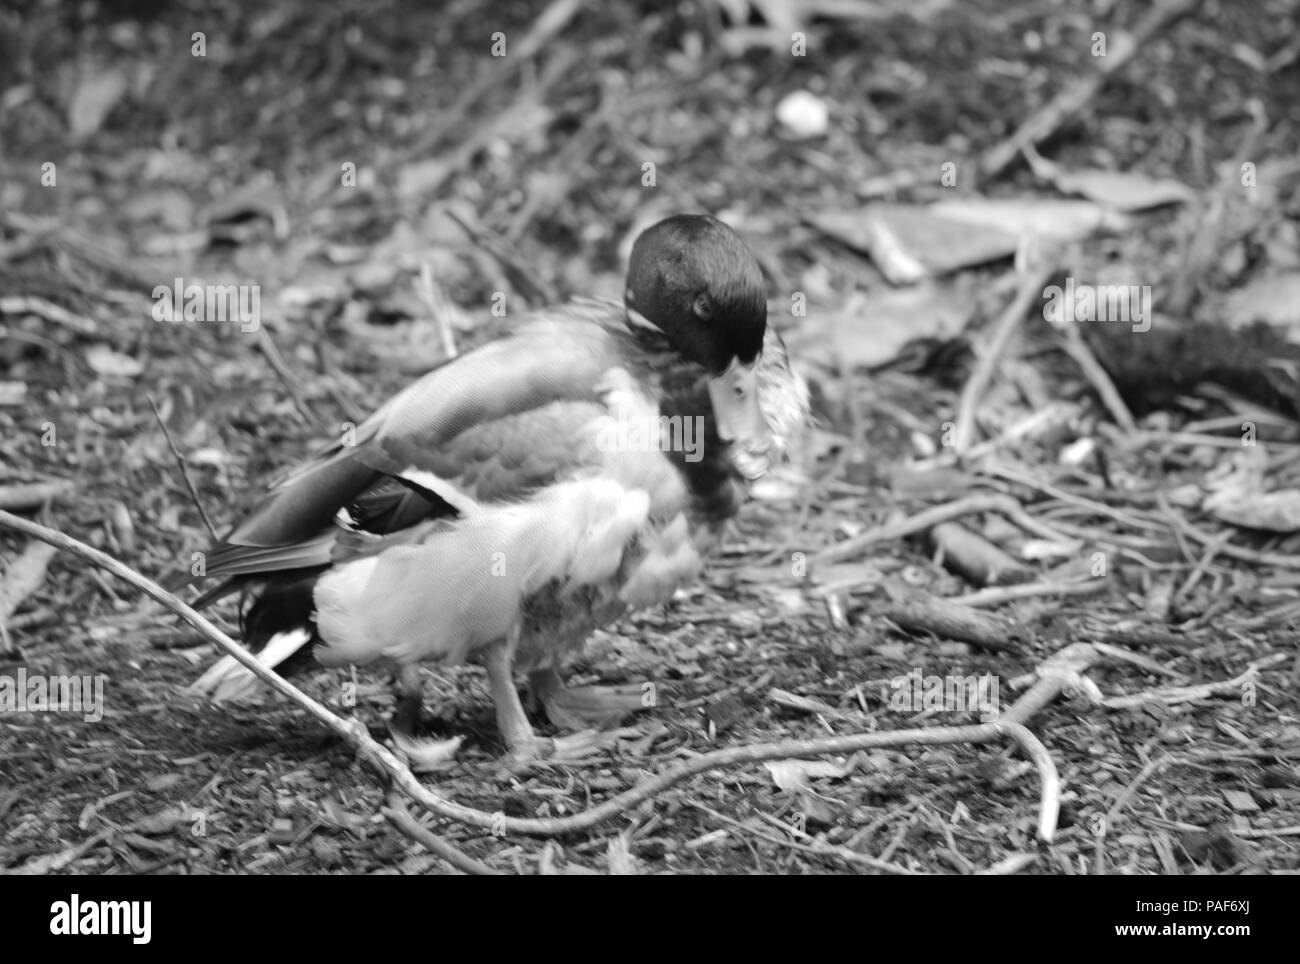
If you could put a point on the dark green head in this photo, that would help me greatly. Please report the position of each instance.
(691, 277)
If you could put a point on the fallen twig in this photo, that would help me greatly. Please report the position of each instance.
(397, 814)
(971, 555)
(33, 495)
(1013, 316)
(185, 472)
(50, 863)
(42, 308)
(1172, 695)
(1035, 424)
(927, 519)
(1129, 792)
(272, 354)
(441, 308)
(21, 578)
(530, 285)
(1183, 527)
(996, 595)
(951, 620)
(820, 849)
(1100, 508)
(1082, 355)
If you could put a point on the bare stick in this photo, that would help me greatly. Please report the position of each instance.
(266, 344)
(1129, 792)
(945, 618)
(1059, 671)
(997, 595)
(977, 559)
(1031, 288)
(33, 495)
(440, 308)
(1100, 508)
(1032, 425)
(1227, 548)
(1201, 691)
(1078, 350)
(1203, 566)
(831, 851)
(922, 521)
(49, 311)
(397, 814)
(185, 472)
(51, 863)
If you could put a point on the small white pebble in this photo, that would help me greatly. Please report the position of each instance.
(803, 114)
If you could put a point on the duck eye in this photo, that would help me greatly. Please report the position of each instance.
(702, 307)
(739, 391)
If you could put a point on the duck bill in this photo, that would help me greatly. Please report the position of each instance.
(734, 396)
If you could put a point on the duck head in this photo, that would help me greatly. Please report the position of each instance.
(691, 278)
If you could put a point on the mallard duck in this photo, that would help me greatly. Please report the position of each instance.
(527, 492)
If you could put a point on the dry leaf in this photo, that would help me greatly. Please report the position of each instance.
(98, 91)
(23, 577)
(621, 861)
(1046, 218)
(111, 364)
(162, 822)
(1120, 190)
(12, 393)
(910, 242)
(1274, 299)
(869, 332)
(1270, 511)
(794, 775)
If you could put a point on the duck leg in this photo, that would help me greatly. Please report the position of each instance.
(524, 745)
(512, 722)
(424, 754)
(580, 707)
(409, 706)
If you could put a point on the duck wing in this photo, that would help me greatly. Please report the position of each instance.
(495, 423)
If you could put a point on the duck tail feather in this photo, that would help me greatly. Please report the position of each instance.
(278, 627)
(228, 680)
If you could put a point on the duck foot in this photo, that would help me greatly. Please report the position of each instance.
(585, 707)
(422, 755)
(579, 746)
(525, 747)
(572, 748)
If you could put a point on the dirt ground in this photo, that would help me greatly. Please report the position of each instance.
(330, 152)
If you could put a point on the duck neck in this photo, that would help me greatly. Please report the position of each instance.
(706, 464)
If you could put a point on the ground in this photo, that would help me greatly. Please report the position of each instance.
(328, 153)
